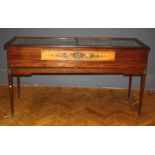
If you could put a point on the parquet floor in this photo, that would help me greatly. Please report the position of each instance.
(61, 106)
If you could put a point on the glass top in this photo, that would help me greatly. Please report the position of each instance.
(44, 41)
(105, 43)
(98, 42)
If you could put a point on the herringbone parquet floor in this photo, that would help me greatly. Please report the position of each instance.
(61, 106)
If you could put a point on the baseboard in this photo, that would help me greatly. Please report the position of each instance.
(117, 88)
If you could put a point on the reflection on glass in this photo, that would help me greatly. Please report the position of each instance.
(44, 41)
(73, 42)
(93, 42)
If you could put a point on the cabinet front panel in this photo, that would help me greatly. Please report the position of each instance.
(69, 57)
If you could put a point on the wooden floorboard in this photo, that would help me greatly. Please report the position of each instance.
(62, 106)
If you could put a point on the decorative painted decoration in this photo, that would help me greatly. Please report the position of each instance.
(80, 56)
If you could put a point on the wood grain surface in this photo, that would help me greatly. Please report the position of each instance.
(31, 57)
(62, 106)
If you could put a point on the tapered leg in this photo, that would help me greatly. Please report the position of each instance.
(10, 81)
(129, 88)
(142, 86)
(18, 86)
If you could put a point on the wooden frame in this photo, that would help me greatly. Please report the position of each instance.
(25, 60)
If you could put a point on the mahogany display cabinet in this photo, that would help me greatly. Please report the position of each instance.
(27, 56)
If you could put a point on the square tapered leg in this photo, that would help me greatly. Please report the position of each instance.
(10, 82)
(142, 86)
